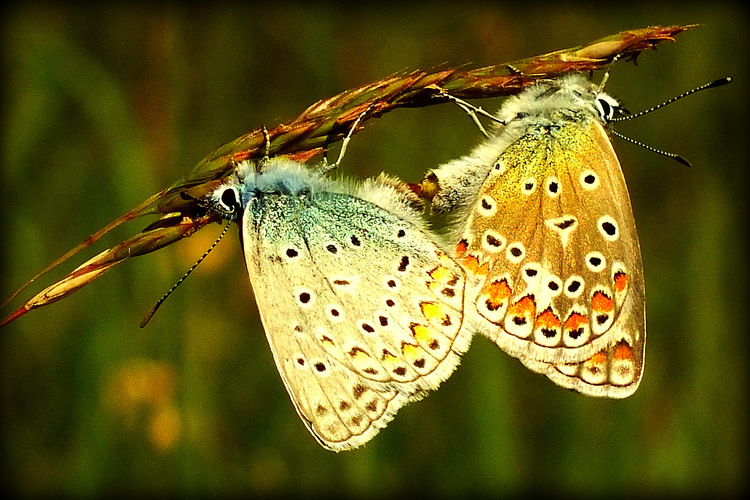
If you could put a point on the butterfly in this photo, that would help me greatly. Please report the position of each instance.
(544, 227)
(362, 309)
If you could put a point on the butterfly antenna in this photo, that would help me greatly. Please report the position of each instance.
(674, 156)
(710, 85)
(151, 313)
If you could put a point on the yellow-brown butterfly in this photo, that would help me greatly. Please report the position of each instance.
(544, 228)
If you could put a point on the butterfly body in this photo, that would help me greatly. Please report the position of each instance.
(544, 228)
(362, 309)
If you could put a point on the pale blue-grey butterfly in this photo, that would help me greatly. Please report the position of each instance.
(362, 309)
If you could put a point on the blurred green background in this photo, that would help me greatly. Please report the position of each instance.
(104, 106)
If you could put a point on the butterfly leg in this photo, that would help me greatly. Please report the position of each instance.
(471, 110)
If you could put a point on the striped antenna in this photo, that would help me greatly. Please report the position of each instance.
(676, 157)
(710, 85)
(151, 313)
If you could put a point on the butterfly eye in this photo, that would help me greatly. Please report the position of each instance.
(605, 110)
(606, 106)
(229, 200)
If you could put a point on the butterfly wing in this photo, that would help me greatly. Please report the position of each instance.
(362, 310)
(551, 244)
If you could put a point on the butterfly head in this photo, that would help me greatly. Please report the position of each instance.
(572, 97)
(277, 176)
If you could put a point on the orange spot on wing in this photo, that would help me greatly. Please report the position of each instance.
(461, 248)
(548, 319)
(421, 332)
(441, 274)
(433, 311)
(575, 321)
(623, 351)
(471, 263)
(621, 282)
(497, 292)
(524, 307)
(599, 358)
(600, 302)
(410, 351)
